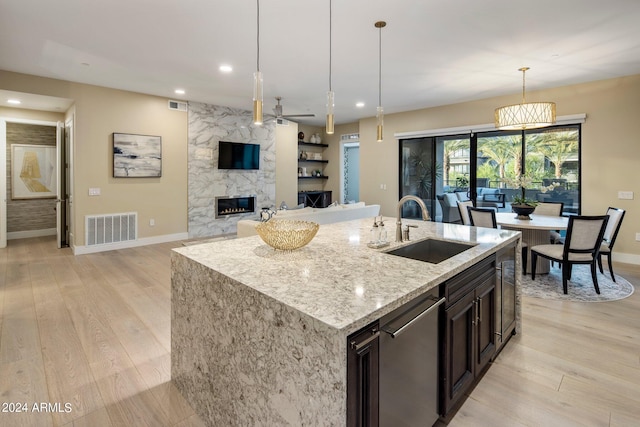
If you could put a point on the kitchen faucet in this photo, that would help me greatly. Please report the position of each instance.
(425, 213)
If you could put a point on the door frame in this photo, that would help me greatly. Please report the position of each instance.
(346, 143)
(3, 168)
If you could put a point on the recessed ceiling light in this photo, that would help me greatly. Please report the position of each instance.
(359, 104)
(226, 68)
(180, 91)
(13, 101)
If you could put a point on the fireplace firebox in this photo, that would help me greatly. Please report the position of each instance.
(234, 205)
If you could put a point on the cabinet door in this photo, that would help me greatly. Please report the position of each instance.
(485, 323)
(459, 363)
(363, 351)
(505, 294)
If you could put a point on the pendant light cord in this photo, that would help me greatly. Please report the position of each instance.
(330, 30)
(258, 35)
(380, 68)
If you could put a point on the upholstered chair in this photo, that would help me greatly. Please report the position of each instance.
(486, 217)
(464, 213)
(551, 209)
(581, 246)
(609, 238)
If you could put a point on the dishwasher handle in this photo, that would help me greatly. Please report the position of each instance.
(397, 331)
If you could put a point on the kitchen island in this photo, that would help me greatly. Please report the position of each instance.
(259, 337)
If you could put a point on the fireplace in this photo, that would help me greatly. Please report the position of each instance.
(234, 205)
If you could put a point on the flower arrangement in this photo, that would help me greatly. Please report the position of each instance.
(524, 182)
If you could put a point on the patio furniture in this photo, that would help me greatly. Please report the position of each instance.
(581, 246)
(609, 238)
(449, 204)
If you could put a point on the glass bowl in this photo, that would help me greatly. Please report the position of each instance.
(287, 234)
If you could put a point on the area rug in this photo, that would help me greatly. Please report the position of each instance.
(580, 287)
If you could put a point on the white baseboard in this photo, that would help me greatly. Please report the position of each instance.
(81, 250)
(31, 233)
(625, 258)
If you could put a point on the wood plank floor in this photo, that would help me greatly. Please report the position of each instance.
(93, 331)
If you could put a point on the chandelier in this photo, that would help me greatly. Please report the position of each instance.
(528, 115)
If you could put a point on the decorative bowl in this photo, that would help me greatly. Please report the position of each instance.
(287, 234)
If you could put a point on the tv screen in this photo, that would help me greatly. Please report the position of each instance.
(235, 155)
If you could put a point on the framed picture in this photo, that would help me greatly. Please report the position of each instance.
(33, 172)
(136, 156)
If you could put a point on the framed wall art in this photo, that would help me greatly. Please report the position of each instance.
(137, 156)
(33, 171)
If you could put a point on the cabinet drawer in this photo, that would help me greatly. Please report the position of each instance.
(461, 284)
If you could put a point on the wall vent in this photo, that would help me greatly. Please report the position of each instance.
(178, 105)
(114, 228)
(282, 122)
(350, 137)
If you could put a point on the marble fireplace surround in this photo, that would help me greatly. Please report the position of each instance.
(209, 124)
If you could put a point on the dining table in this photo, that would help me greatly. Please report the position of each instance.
(535, 231)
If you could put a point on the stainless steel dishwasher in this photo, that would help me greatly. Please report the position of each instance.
(409, 363)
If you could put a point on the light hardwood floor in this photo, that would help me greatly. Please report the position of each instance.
(94, 331)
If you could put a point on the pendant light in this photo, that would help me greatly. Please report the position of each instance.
(257, 77)
(379, 112)
(530, 115)
(330, 97)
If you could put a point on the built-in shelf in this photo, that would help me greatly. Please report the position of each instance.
(310, 144)
(312, 161)
(313, 177)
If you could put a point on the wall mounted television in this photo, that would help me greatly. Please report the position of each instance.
(236, 155)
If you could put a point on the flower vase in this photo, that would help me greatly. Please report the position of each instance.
(523, 211)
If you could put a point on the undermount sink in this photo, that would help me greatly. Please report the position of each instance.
(431, 250)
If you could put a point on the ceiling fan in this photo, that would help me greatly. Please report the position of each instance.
(279, 117)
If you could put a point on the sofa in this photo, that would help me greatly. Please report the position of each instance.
(328, 215)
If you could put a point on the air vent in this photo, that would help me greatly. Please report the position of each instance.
(113, 228)
(178, 105)
(282, 122)
(350, 137)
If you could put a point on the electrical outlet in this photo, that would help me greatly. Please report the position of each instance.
(152, 222)
(638, 237)
(94, 191)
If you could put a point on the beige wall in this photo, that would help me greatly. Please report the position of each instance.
(610, 150)
(286, 165)
(98, 113)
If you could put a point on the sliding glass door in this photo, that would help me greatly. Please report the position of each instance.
(489, 168)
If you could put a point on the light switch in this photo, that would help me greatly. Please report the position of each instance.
(625, 195)
(94, 191)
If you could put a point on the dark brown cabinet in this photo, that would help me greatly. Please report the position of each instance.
(469, 340)
(315, 199)
(363, 354)
(505, 294)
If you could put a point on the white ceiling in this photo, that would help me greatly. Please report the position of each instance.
(433, 52)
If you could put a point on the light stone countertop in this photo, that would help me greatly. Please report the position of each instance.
(336, 278)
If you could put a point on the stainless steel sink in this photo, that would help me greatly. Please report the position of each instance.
(431, 250)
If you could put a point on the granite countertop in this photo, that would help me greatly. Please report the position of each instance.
(336, 278)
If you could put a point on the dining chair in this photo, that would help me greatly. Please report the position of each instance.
(482, 217)
(581, 246)
(486, 217)
(609, 238)
(551, 209)
(464, 213)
